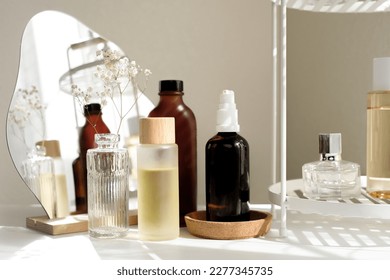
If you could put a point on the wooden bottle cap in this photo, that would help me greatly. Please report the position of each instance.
(157, 130)
(52, 147)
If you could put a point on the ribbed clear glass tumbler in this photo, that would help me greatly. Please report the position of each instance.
(108, 188)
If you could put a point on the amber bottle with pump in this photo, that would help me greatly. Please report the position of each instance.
(93, 124)
(227, 167)
(171, 104)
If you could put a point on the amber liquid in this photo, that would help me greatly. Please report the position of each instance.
(171, 105)
(378, 144)
(80, 186)
(227, 178)
(94, 124)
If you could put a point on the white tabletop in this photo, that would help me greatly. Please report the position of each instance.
(310, 236)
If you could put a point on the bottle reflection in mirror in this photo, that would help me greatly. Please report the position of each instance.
(38, 173)
(93, 124)
(53, 150)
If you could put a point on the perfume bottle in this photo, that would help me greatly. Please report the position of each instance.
(227, 167)
(331, 177)
(378, 131)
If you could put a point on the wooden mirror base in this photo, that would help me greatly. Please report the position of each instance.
(70, 224)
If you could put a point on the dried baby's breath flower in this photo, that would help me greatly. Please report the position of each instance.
(27, 107)
(117, 73)
(147, 72)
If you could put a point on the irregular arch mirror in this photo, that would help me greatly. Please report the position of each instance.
(56, 52)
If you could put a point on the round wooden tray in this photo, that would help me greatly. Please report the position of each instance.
(258, 225)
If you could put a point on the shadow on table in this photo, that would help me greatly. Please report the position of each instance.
(333, 231)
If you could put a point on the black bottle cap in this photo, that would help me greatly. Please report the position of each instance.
(93, 108)
(171, 85)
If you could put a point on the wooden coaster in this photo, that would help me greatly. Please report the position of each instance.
(69, 224)
(258, 225)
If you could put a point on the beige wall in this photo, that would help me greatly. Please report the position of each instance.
(211, 45)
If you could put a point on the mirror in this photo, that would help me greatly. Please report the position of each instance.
(56, 52)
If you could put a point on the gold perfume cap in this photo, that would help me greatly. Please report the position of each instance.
(160, 130)
(52, 147)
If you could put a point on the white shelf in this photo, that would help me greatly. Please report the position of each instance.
(339, 6)
(364, 206)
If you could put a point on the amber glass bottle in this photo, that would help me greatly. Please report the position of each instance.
(171, 104)
(227, 167)
(93, 124)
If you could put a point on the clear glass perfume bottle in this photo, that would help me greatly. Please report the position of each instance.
(331, 177)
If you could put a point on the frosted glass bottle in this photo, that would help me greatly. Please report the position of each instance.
(158, 180)
(53, 150)
(171, 104)
(108, 188)
(331, 177)
(378, 131)
(227, 167)
(131, 143)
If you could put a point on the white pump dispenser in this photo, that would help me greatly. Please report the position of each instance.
(227, 114)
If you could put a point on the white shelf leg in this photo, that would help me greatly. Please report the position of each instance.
(283, 124)
(279, 76)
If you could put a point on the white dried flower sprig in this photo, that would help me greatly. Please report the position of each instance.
(117, 73)
(26, 108)
(85, 97)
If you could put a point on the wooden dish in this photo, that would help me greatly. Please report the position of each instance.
(258, 225)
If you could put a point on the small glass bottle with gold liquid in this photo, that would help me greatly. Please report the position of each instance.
(378, 130)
